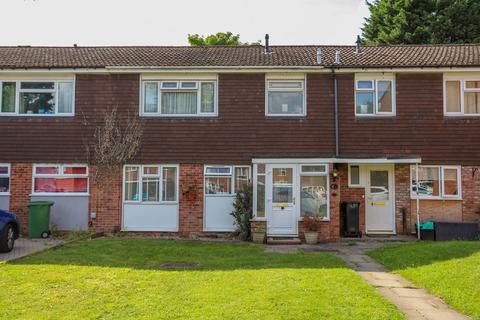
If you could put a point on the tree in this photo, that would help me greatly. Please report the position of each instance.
(218, 39)
(422, 22)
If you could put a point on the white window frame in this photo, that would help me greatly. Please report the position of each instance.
(60, 175)
(178, 88)
(6, 175)
(361, 183)
(55, 91)
(255, 190)
(375, 79)
(463, 83)
(141, 175)
(311, 174)
(231, 174)
(442, 195)
(303, 89)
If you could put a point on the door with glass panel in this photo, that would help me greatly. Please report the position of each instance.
(282, 194)
(379, 200)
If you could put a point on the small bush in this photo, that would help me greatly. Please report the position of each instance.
(243, 211)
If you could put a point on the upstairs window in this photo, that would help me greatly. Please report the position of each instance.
(286, 98)
(60, 179)
(37, 98)
(179, 98)
(4, 178)
(462, 97)
(436, 182)
(374, 97)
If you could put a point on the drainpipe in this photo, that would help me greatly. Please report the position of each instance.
(335, 94)
(418, 201)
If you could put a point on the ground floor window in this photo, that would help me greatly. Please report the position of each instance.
(314, 191)
(225, 180)
(436, 182)
(60, 179)
(4, 178)
(150, 183)
(309, 182)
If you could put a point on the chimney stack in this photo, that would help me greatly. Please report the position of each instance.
(358, 45)
(268, 49)
(319, 56)
(338, 57)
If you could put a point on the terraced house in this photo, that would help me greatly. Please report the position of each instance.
(309, 126)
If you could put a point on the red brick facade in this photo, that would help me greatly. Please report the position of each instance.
(20, 190)
(106, 201)
(191, 199)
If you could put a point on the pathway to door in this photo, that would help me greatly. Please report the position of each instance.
(414, 302)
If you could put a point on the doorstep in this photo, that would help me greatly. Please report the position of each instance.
(283, 240)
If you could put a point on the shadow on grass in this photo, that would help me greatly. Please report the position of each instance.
(398, 257)
(169, 255)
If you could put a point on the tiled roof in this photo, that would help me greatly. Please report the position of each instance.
(239, 56)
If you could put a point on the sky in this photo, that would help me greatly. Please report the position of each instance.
(168, 22)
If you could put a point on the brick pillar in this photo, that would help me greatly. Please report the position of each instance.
(20, 190)
(471, 194)
(356, 194)
(106, 201)
(402, 197)
(191, 199)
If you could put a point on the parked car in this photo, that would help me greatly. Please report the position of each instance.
(9, 230)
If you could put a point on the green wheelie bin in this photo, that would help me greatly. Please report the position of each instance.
(39, 219)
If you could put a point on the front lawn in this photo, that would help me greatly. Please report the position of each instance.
(450, 270)
(119, 278)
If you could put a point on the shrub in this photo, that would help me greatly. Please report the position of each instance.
(243, 211)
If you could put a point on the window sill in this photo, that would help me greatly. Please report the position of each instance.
(176, 116)
(4, 194)
(151, 203)
(320, 219)
(66, 115)
(295, 116)
(59, 194)
(375, 116)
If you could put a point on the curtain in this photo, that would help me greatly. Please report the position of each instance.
(179, 102)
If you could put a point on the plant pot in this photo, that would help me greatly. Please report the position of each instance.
(258, 236)
(311, 237)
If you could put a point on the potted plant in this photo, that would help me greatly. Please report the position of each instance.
(311, 226)
(258, 235)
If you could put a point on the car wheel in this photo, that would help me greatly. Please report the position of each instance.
(7, 239)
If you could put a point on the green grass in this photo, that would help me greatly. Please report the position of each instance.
(450, 270)
(118, 278)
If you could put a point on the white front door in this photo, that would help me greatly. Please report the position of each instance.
(282, 209)
(380, 200)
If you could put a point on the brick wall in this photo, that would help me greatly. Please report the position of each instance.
(471, 194)
(352, 194)
(402, 198)
(191, 199)
(20, 190)
(106, 200)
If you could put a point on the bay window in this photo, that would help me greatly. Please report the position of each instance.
(462, 97)
(179, 98)
(4, 178)
(436, 182)
(374, 96)
(37, 97)
(286, 98)
(60, 179)
(150, 183)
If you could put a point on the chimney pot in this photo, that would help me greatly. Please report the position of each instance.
(268, 49)
(358, 45)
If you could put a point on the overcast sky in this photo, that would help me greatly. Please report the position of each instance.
(167, 22)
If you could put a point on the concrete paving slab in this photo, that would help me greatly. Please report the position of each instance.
(25, 246)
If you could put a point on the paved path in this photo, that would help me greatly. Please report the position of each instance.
(415, 303)
(24, 246)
